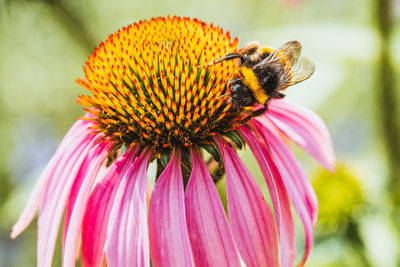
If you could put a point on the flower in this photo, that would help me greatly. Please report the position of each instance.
(341, 199)
(156, 99)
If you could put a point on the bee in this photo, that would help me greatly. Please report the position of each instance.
(265, 72)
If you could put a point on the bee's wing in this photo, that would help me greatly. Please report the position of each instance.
(290, 51)
(301, 70)
(297, 69)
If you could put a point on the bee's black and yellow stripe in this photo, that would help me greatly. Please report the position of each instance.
(253, 83)
(251, 80)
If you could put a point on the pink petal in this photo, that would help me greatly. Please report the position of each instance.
(211, 239)
(73, 137)
(279, 197)
(78, 199)
(299, 188)
(127, 237)
(252, 222)
(95, 221)
(169, 241)
(305, 128)
(55, 199)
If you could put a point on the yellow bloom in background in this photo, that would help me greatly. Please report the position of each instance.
(340, 197)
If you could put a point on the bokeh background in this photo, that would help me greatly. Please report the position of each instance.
(355, 46)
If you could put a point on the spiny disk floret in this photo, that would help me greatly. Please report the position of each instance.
(151, 83)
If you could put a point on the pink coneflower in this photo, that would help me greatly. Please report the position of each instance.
(153, 100)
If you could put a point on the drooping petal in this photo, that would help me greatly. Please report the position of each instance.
(305, 128)
(71, 139)
(299, 188)
(211, 239)
(279, 197)
(169, 241)
(127, 234)
(78, 199)
(252, 222)
(56, 197)
(95, 221)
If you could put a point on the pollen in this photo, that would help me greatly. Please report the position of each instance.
(151, 83)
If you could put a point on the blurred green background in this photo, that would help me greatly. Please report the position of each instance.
(355, 46)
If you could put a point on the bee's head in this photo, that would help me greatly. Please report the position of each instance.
(235, 86)
(240, 94)
(235, 89)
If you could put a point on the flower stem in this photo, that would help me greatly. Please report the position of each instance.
(388, 103)
(357, 242)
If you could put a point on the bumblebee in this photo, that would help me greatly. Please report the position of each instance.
(264, 72)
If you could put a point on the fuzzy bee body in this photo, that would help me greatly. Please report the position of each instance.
(264, 72)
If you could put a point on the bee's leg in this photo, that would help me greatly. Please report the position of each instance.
(256, 113)
(277, 95)
(229, 56)
(260, 111)
(235, 79)
(224, 95)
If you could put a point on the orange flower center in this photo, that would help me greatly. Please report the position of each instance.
(151, 83)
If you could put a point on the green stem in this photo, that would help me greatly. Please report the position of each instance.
(387, 97)
(357, 242)
(72, 23)
(388, 104)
